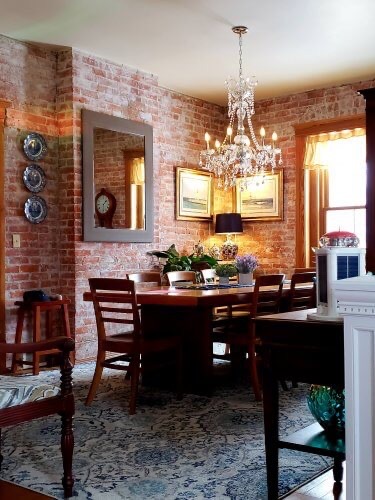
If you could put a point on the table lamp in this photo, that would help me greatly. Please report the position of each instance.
(230, 223)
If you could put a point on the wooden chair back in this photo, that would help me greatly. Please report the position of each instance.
(302, 297)
(174, 277)
(145, 277)
(267, 294)
(114, 301)
(305, 269)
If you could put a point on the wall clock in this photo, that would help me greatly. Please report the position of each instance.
(34, 178)
(35, 209)
(105, 207)
(34, 146)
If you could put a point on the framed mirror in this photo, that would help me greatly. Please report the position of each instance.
(117, 179)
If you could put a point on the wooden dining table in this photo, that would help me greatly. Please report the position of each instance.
(187, 311)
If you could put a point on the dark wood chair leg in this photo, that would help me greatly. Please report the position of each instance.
(18, 338)
(67, 445)
(284, 385)
(271, 429)
(338, 472)
(1, 456)
(179, 373)
(134, 382)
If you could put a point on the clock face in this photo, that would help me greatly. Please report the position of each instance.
(102, 204)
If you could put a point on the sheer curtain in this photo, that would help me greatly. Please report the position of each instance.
(335, 148)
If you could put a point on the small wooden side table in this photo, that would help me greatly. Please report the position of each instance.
(37, 309)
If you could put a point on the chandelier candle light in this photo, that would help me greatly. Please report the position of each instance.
(244, 156)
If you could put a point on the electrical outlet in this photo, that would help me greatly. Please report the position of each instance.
(16, 241)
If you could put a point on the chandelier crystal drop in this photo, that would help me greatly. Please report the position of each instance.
(240, 156)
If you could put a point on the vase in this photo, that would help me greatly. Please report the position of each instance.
(245, 278)
(223, 280)
(327, 405)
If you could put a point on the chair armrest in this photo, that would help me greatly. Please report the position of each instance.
(65, 344)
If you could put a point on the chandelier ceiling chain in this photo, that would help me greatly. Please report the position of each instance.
(243, 157)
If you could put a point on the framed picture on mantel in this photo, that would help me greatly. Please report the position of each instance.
(193, 194)
(262, 200)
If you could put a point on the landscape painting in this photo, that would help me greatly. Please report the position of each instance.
(260, 197)
(193, 194)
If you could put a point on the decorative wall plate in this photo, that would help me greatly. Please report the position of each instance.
(34, 146)
(34, 178)
(35, 209)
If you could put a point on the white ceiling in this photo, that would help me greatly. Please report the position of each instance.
(291, 46)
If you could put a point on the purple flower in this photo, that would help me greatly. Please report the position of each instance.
(246, 263)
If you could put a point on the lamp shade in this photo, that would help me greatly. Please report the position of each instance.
(228, 223)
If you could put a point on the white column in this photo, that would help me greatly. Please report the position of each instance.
(356, 303)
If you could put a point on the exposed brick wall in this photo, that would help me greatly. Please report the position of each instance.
(27, 80)
(178, 125)
(47, 93)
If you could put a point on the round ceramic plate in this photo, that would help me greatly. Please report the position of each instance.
(34, 178)
(34, 146)
(35, 209)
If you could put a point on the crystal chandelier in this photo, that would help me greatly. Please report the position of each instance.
(244, 156)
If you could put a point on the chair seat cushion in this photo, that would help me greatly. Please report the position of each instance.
(16, 391)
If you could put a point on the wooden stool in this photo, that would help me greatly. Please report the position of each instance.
(36, 309)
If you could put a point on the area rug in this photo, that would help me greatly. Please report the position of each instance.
(200, 447)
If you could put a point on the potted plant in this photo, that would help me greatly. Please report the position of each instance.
(245, 265)
(225, 271)
(173, 261)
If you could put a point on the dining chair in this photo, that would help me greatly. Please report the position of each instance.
(302, 294)
(181, 277)
(227, 312)
(145, 277)
(24, 398)
(266, 299)
(115, 303)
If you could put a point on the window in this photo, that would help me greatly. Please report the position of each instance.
(331, 183)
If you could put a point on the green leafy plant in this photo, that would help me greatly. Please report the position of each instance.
(177, 262)
(225, 270)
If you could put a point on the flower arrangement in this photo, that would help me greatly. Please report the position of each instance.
(225, 270)
(246, 263)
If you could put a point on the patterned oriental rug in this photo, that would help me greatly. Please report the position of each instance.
(196, 448)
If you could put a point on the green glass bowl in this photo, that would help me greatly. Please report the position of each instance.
(327, 405)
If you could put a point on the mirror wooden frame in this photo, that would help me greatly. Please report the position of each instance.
(90, 121)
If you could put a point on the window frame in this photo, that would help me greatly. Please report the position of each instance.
(315, 222)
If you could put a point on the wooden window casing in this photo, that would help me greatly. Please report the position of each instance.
(311, 222)
(3, 106)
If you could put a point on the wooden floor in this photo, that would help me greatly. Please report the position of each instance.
(320, 487)
(10, 491)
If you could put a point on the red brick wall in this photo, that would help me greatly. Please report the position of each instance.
(47, 92)
(27, 80)
(178, 124)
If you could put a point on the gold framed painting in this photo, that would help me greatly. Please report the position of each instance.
(262, 200)
(193, 194)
